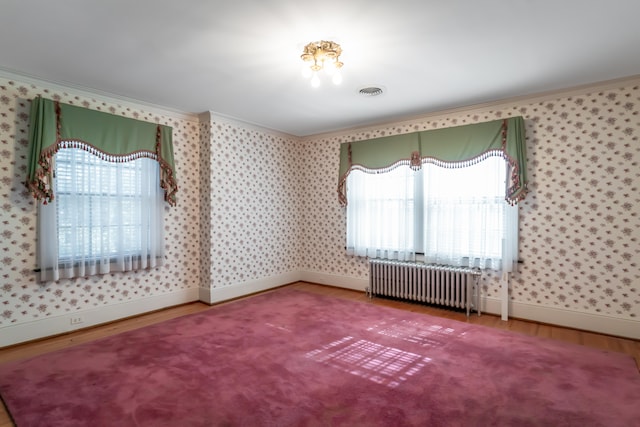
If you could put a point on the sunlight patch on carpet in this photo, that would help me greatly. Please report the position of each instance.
(420, 333)
(378, 363)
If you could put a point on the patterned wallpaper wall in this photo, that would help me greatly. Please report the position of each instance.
(205, 238)
(579, 225)
(22, 299)
(255, 204)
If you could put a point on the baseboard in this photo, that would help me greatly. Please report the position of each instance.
(214, 295)
(54, 325)
(347, 282)
(567, 318)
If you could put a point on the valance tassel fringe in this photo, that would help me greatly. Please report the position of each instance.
(47, 136)
(503, 138)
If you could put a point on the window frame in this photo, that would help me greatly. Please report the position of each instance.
(59, 260)
(421, 251)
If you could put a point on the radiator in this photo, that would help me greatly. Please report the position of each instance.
(425, 283)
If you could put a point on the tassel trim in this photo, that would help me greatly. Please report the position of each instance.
(42, 189)
(514, 193)
(42, 186)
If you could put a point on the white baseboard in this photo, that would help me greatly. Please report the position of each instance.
(55, 325)
(214, 295)
(567, 318)
(354, 283)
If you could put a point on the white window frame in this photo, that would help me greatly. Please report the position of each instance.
(112, 222)
(503, 255)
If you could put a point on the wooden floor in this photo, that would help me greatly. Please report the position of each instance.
(589, 339)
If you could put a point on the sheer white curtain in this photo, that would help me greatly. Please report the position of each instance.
(454, 216)
(106, 217)
(381, 214)
(467, 221)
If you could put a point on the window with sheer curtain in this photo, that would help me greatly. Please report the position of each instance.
(102, 180)
(455, 215)
(382, 213)
(108, 216)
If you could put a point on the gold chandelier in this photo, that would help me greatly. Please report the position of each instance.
(325, 55)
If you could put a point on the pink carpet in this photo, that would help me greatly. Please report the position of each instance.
(293, 358)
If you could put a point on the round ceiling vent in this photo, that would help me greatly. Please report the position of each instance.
(370, 91)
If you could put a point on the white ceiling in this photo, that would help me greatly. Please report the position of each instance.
(241, 58)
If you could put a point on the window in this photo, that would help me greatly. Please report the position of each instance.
(381, 214)
(451, 215)
(108, 215)
(113, 174)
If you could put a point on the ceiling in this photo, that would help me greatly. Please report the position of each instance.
(241, 58)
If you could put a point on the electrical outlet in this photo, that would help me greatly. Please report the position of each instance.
(76, 320)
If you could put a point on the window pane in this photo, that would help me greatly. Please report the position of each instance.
(99, 204)
(455, 216)
(464, 213)
(381, 213)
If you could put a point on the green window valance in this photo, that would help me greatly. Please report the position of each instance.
(54, 125)
(446, 147)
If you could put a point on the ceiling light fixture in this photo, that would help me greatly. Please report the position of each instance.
(325, 55)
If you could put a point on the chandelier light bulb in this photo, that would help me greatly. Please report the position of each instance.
(315, 80)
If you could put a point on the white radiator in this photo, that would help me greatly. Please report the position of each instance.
(431, 284)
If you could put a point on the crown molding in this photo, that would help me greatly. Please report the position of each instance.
(482, 107)
(210, 116)
(95, 93)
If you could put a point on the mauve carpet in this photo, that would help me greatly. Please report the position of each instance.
(294, 358)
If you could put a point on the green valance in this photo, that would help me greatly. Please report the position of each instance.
(54, 125)
(445, 147)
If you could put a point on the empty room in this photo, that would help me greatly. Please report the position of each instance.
(278, 213)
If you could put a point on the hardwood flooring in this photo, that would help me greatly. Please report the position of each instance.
(589, 339)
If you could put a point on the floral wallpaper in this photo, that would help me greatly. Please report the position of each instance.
(22, 299)
(254, 204)
(579, 225)
(204, 166)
